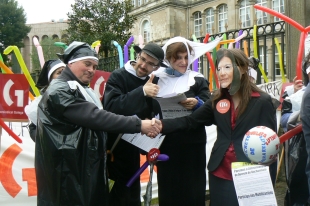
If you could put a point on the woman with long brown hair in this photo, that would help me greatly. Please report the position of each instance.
(235, 108)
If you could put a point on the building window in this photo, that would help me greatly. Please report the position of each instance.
(145, 1)
(197, 24)
(244, 13)
(209, 20)
(277, 60)
(222, 17)
(260, 15)
(133, 2)
(261, 58)
(139, 2)
(146, 31)
(278, 5)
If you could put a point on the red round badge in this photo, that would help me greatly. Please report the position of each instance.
(223, 106)
(153, 154)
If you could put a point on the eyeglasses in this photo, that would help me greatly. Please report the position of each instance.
(150, 64)
(226, 68)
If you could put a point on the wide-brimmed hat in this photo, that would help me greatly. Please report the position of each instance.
(152, 50)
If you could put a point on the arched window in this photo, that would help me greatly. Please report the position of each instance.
(55, 36)
(197, 24)
(36, 37)
(209, 20)
(260, 15)
(222, 17)
(44, 37)
(245, 13)
(278, 5)
(64, 37)
(146, 31)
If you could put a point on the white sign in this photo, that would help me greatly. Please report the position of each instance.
(253, 184)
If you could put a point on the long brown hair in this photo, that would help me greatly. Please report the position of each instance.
(246, 87)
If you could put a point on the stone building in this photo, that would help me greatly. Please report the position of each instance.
(53, 29)
(159, 20)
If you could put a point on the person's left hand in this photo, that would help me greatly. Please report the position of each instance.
(189, 103)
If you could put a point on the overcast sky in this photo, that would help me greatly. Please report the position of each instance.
(38, 11)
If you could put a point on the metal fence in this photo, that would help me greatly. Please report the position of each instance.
(109, 64)
(267, 51)
(265, 42)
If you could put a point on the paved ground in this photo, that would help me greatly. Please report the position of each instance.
(280, 191)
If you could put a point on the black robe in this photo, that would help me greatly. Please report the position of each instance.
(124, 95)
(182, 179)
(70, 152)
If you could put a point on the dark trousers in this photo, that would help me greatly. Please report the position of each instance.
(121, 195)
(222, 192)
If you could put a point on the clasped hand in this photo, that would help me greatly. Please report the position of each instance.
(151, 127)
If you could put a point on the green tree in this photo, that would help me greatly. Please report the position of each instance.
(13, 27)
(107, 20)
(49, 52)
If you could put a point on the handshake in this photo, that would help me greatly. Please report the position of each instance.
(151, 128)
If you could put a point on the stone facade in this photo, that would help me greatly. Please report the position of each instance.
(299, 11)
(42, 30)
(168, 18)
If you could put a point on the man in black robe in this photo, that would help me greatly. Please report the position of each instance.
(70, 152)
(130, 91)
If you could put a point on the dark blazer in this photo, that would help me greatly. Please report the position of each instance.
(259, 112)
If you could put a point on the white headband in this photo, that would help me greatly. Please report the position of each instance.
(54, 68)
(81, 58)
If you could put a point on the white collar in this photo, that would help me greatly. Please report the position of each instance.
(129, 68)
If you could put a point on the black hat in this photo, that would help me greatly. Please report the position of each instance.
(152, 50)
(78, 51)
(48, 68)
(253, 62)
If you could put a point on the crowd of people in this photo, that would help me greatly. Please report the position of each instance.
(78, 144)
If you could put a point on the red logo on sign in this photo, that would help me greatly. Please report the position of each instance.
(7, 178)
(223, 106)
(14, 90)
(99, 81)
